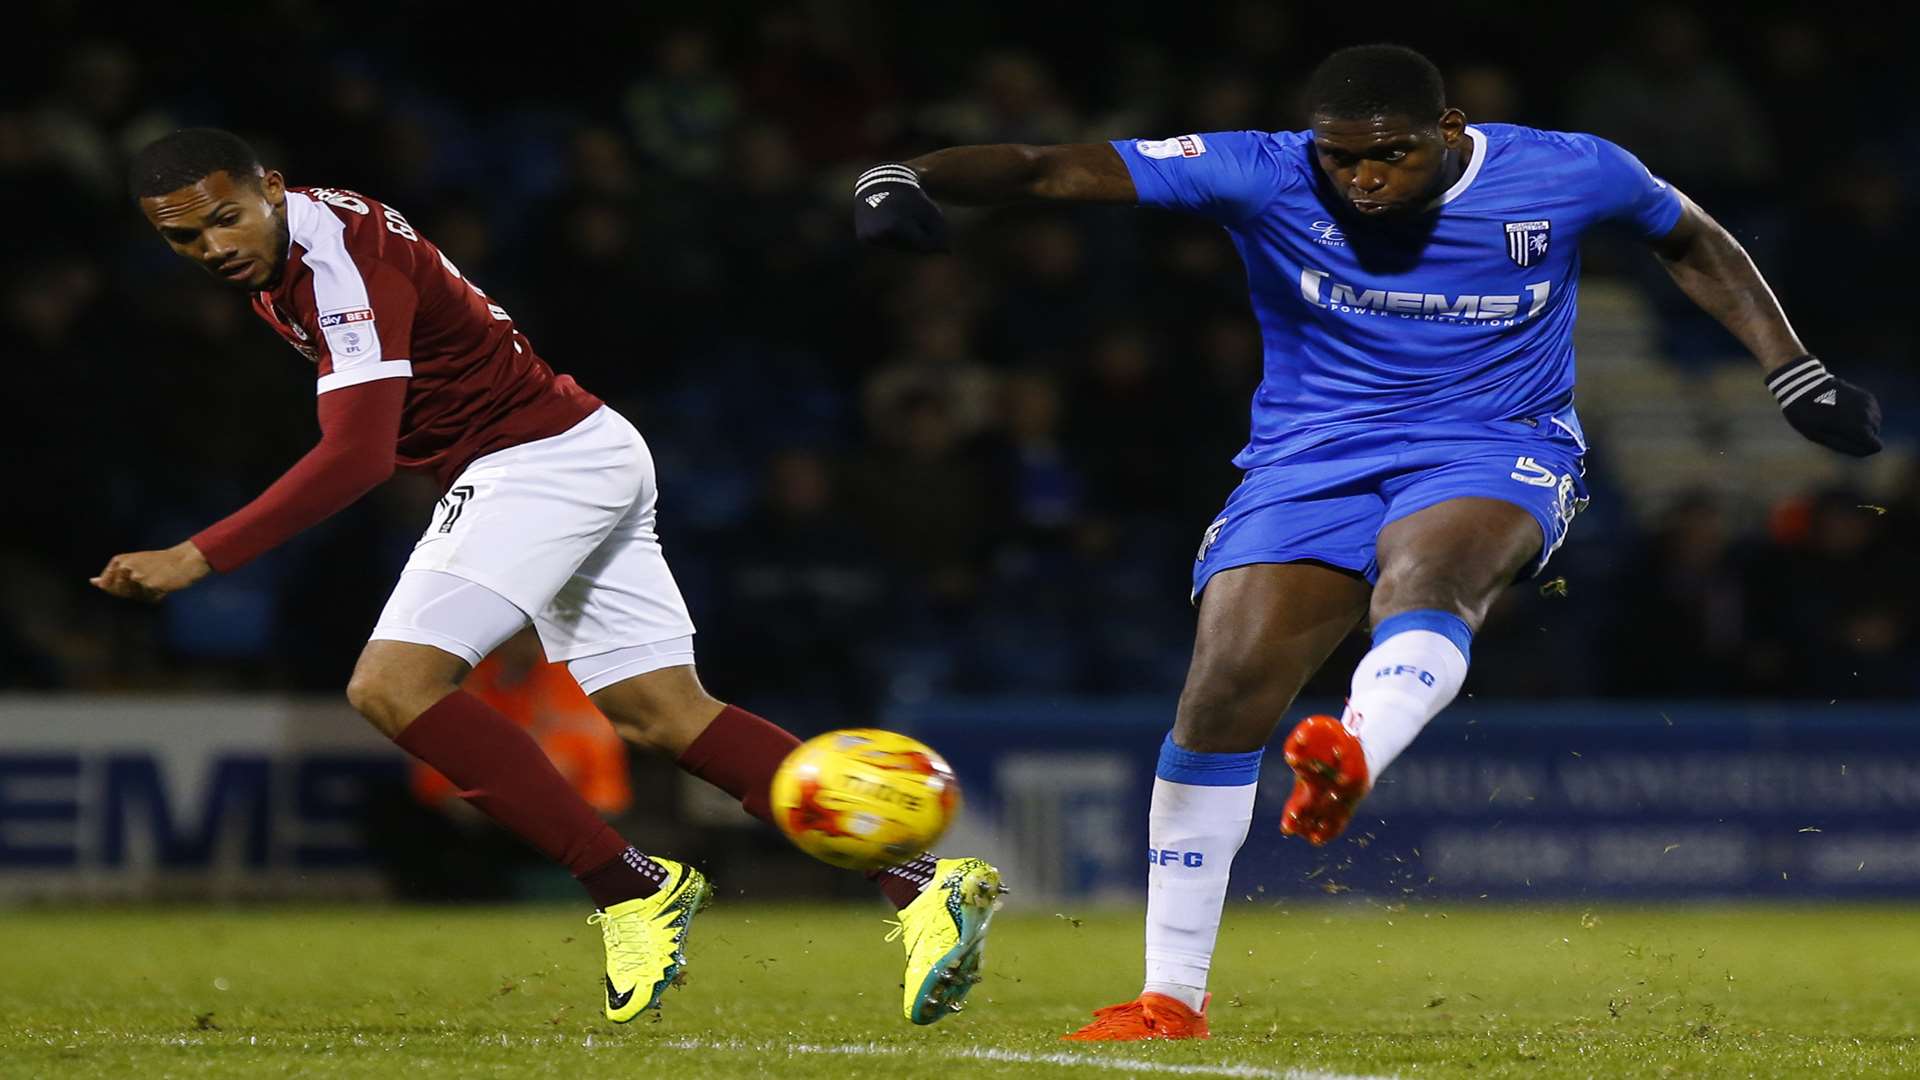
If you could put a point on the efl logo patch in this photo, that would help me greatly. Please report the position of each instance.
(1183, 146)
(1527, 241)
(350, 334)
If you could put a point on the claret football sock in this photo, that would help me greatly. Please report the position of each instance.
(504, 774)
(628, 876)
(902, 884)
(738, 753)
(1418, 662)
(1202, 807)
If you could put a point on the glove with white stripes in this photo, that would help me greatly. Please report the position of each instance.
(1829, 410)
(890, 210)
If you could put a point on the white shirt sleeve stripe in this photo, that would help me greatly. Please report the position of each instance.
(364, 373)
(337, 284)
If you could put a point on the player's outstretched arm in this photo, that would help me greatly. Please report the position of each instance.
(1715, 272)
(893, 203)
(1007, 173)
(359, 426)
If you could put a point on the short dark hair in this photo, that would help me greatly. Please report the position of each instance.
(189, 156)
(1365, 81)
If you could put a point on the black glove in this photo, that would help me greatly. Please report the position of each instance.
(1831, 411)
(890, 210)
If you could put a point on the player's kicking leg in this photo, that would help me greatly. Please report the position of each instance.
(1263, 631)
(539, 522)
(410, 691)
(1440, 570)
(945, 905)
(617, 620)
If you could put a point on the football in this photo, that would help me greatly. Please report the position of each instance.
(862, 798)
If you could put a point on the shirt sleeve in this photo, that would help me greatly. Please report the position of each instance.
(1224, 176)
(1628, 194)
(363, 307)
(358, 431)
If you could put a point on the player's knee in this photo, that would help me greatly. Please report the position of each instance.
(372, 698)
(651, 736)
(638, 721)
(661, 713)
(389, 702)
(1432, 585)
(665, 734)
(1231, 709)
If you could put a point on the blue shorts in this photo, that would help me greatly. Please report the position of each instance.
(1328, 503)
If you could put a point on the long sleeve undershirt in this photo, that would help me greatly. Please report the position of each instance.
(359, 427)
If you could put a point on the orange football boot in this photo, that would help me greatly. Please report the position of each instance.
(1330, 779)
(1150, 1016)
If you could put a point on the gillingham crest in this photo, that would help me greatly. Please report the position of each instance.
(1527, 241)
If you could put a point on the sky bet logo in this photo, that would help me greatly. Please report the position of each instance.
(1169, 857)
(1337, 296)
(1426, 677)
(341, 318)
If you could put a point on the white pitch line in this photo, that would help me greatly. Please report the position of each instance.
(1018, 1057)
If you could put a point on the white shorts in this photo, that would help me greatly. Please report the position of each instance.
(563, 528)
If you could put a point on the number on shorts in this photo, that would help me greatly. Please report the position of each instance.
(1528, 471)
(453, 502)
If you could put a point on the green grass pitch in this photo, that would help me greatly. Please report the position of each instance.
(1303, 991)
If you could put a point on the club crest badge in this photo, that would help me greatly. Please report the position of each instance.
(1527, 241)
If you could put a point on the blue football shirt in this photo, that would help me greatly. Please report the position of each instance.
(1465, 315)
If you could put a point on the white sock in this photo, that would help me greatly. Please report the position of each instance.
(1418, 662)
(1202, 808)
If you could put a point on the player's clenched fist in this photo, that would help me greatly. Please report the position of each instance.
(1826, 408)
(890, 210)
(151, 575)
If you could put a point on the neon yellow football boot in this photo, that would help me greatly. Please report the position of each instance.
(945, 929)
(646, 941)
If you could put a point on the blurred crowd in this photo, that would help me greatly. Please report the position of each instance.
(888, 477)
